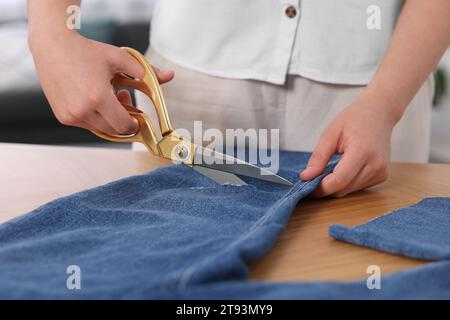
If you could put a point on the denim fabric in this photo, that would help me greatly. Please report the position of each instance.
(431, 281)
(173, 233)
(420, 231)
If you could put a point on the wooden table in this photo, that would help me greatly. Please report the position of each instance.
(34, 175)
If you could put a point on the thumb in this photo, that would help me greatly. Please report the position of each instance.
(321, 155)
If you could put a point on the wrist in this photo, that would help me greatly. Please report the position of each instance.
(391, 109)
(43, 36)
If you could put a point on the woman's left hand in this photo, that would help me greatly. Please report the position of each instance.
(361, 134)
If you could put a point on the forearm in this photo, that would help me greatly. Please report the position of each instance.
(48, 19)
(421, 37)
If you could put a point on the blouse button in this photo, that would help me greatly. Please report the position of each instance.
(291, 12)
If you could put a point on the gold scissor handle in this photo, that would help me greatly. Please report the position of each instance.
(145, 134)
(149, 85)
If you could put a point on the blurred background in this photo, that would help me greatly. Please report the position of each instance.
(25, 116)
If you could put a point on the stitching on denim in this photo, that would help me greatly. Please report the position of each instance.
(272, 210)
(187, 273)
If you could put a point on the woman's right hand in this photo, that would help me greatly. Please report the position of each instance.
(76, 73)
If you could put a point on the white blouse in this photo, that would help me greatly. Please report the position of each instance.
(334, 41)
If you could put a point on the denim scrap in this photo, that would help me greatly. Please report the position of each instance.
(420, 231)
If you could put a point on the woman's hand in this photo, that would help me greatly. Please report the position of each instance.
(75, 75)
(361, 134)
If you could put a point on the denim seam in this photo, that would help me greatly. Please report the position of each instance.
(185, 275)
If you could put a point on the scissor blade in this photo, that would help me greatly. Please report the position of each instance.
(219, 176)
(221, 162)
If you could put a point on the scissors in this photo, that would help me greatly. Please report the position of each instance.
(219, 167)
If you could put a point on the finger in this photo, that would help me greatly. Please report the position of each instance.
(126, 63)
(322, 154)
(164, 76)
(124, 97)
(94, 121)
(80, 124)
(87, 121)
(366, 178)
(343, 175)
(361, 181)
(116, 115)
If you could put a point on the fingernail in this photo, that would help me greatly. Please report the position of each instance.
(306, 169)
(136, 125)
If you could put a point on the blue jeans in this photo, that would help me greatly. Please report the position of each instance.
(173, 233)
